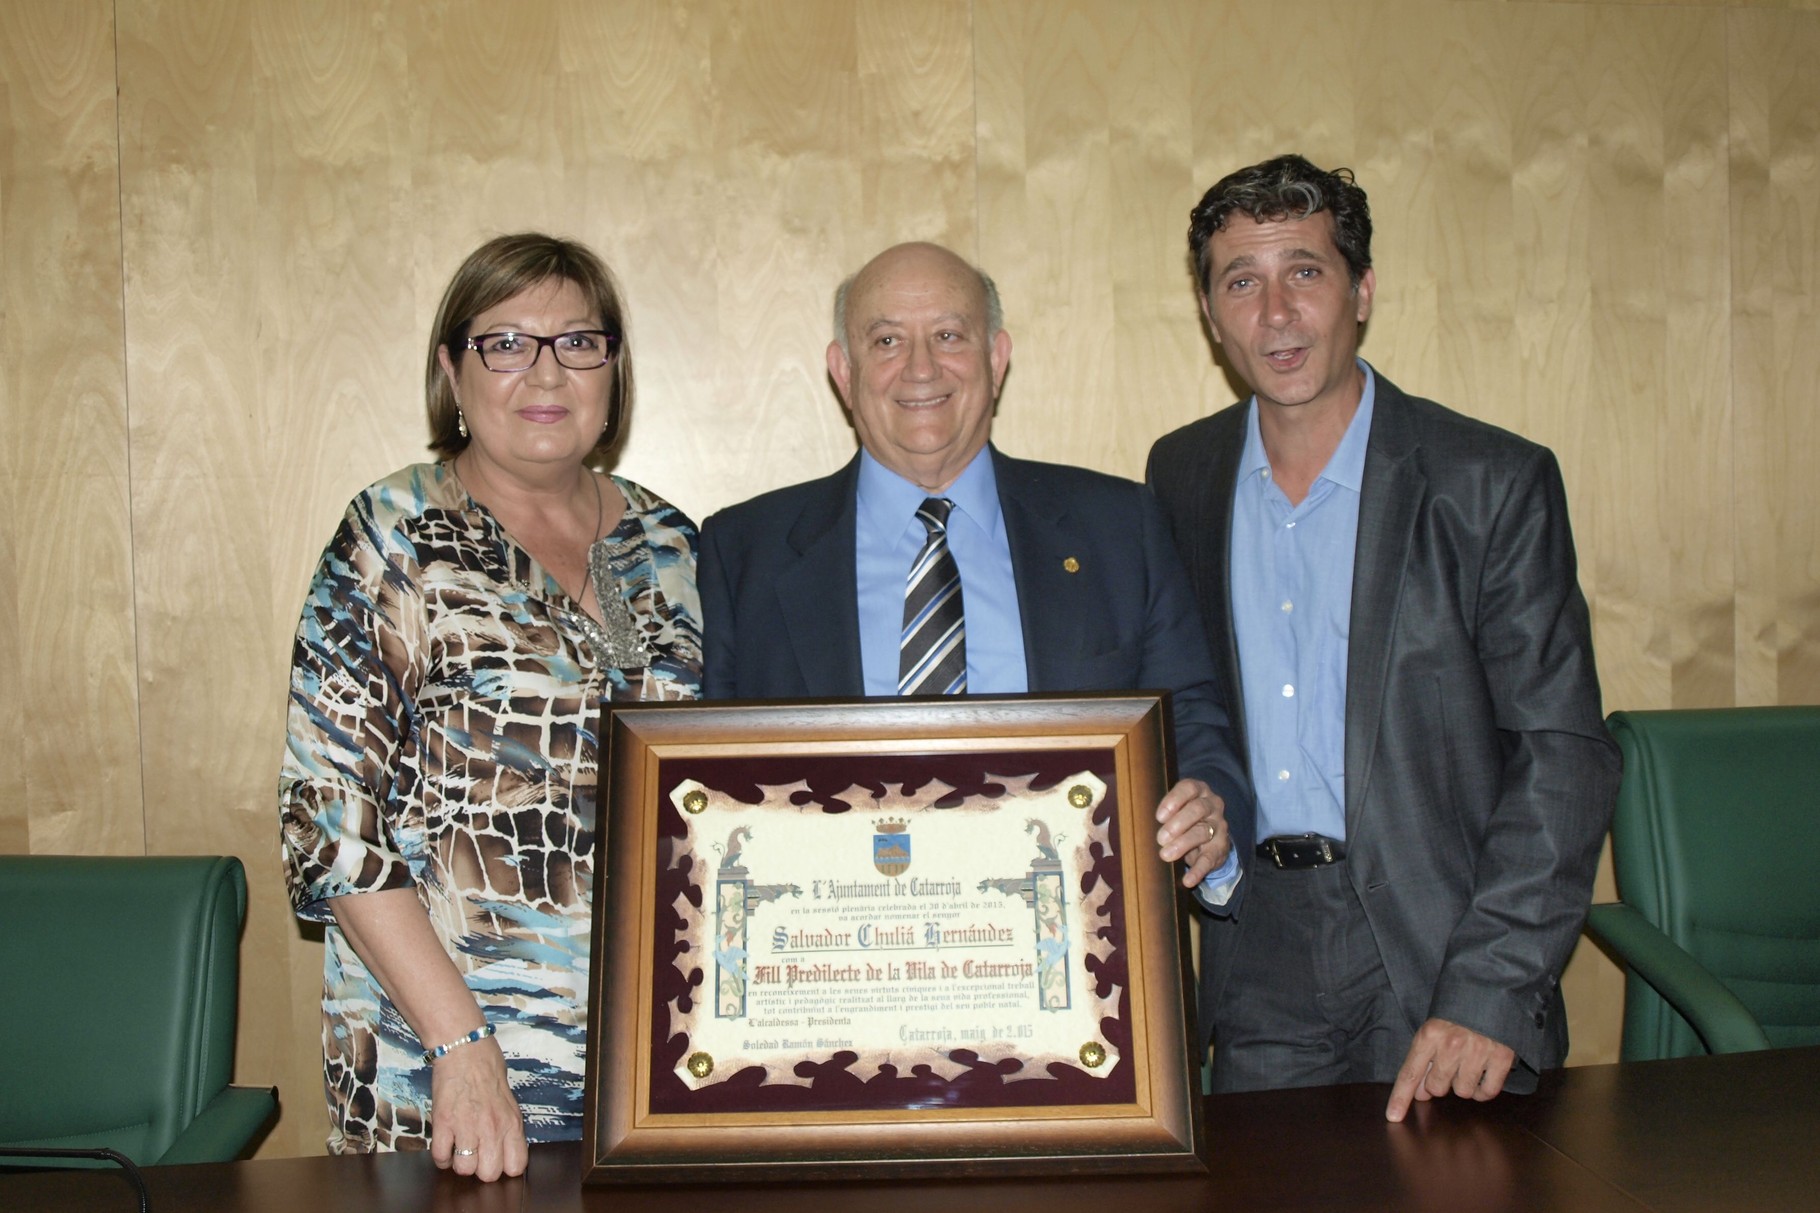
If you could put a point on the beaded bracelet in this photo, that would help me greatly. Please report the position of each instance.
(480, 1033)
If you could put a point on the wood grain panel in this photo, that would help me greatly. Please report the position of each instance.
(1663, 540)
(1158, 343)
(1049, 196)
(1747, 4)
(1084, 133)
(821, 160)
(1775, 281)
(783, 134)
(1100, 124)
(67, 694)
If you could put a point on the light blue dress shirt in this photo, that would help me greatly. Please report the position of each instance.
(1292, 616)
(887, 537)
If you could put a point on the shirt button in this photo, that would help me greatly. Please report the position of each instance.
(1282, 775)
(1288, 606)
(1290, 525)
(1288, 691)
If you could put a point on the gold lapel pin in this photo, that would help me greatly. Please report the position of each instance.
(1072, 565)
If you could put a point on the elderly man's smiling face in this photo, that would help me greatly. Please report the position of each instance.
(920, 373)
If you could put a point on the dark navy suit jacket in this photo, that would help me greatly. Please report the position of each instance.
(781, 617)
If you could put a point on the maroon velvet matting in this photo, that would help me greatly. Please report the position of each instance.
(833, 1086)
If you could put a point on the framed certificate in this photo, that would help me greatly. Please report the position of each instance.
(872, 937)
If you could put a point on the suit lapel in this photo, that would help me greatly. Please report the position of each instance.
(823, 575)
(1210, 555)
(1388, 508)
(1036, 524)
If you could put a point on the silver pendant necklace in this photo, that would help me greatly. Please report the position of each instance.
(615, 639)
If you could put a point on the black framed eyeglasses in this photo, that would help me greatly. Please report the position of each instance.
(581, 350)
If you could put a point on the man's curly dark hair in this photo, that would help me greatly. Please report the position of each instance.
(1286, 187)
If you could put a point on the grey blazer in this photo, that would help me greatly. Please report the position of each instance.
(1480, 778)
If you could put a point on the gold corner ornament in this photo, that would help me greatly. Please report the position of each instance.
(1093, 1055)
(1080, 795)
(695, 802)
(1072, 565)
(701, 1065)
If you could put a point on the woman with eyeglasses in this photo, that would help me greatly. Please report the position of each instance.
(463, 628)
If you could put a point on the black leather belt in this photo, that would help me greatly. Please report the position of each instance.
(1301, 850)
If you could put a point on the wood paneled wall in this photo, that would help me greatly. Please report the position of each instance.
(224, 225)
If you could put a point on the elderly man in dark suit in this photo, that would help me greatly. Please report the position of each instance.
(933, 564)
(1391, 587)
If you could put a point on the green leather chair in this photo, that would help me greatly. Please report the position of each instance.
(1716, 842)
(118, 979)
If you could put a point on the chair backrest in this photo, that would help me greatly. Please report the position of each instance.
(1717, 842)
(118, 980)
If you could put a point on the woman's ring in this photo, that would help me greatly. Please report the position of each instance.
(467, 1153)
(1209, 824)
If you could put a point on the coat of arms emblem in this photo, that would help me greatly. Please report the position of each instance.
(891, 847)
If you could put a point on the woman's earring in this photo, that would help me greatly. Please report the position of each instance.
(461, 423)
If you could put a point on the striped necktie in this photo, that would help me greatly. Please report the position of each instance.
(932, 652)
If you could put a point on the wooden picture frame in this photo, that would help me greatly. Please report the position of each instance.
(973, 960)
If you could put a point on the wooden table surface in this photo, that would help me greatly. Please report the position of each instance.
(1706, 1133)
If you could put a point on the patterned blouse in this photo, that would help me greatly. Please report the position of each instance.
(444, 697)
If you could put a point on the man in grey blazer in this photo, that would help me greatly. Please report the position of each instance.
(1068, 578)
(1391, 588)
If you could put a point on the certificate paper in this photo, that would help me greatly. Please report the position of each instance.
(897, 931)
